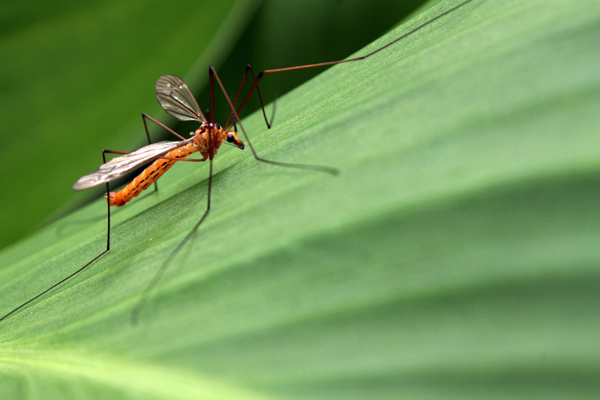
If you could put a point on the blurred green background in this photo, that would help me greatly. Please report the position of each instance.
(76, 76)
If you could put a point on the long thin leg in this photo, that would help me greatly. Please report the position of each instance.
(262, 105)
(146, 293)
(325, 64)
(330, 170)
(149, 142)
(91, 261)
(237, 96)
(212, 113)
(146, 116)
(248, 68)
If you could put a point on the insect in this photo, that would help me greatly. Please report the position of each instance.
(177, 100)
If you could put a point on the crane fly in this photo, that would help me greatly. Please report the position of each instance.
(177, 100)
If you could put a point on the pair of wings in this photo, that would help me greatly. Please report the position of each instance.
(175, 98)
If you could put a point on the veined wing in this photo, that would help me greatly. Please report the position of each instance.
(176, 99)
(121, 165)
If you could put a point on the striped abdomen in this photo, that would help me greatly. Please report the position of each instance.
(149, 176)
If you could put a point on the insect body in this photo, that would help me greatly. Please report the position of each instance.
(199, 143)
(149, 176)
(176, 98)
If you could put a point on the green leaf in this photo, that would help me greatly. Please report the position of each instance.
(88, 71)
(455, 256)
(75, 80)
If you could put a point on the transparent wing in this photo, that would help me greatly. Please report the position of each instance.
(121, 165)
(176, 99)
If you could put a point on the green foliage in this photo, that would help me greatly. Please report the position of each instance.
(86, 71)
(455, 256)
(74, 81)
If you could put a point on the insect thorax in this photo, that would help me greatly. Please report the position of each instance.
(201, 136)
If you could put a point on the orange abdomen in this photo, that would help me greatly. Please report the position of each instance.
(149, 176)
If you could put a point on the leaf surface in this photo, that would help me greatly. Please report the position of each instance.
(455, 256)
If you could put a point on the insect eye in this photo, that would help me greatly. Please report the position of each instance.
(230, 138)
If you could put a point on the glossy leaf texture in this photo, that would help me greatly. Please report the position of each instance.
(455, 256)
